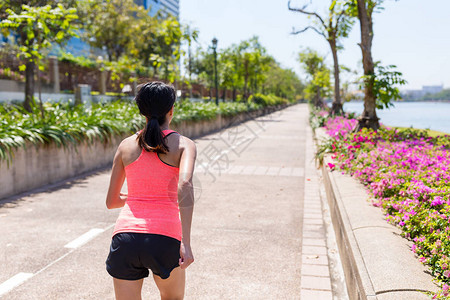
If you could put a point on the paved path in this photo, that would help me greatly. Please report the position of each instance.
(257, 197)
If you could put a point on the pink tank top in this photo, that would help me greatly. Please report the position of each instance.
(152, 203)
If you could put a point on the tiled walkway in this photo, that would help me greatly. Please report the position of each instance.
(318, 238)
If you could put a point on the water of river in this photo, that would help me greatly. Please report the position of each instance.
(426, 115)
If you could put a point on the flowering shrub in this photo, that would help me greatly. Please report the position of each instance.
(7, 73)
(408, 175)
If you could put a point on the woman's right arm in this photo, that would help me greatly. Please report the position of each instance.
(186, 199)
(114, 198)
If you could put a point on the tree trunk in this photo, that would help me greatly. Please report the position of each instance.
(41, 106)
(318, 99)
(246, 79)
(336, 107)
(224, 94)
(29, 86)
(234, 94)
(369, 117)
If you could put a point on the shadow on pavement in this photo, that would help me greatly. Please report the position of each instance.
(80, 180)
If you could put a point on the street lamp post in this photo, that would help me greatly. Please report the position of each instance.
(214, 43)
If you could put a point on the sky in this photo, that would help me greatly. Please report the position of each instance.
(411, 34)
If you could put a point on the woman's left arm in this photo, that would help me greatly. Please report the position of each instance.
(114, 198)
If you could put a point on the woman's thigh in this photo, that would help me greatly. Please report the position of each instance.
(128, 289)
(173, 287)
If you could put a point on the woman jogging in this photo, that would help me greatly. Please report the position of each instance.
(153, 228)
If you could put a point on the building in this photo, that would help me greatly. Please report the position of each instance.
(171, 7)
(426, 89)
(432, 89)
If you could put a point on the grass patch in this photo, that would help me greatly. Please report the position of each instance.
(429, 132)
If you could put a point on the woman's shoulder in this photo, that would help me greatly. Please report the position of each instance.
(129, 143)
(187, 143)
(179, 142)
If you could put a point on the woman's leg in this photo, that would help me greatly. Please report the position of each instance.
(128, 289)
(172, 288)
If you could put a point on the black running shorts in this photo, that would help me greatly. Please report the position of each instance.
(132, 254)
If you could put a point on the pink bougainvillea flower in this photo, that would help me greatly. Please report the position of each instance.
(331, 166)
(437, 201)
(445, 288)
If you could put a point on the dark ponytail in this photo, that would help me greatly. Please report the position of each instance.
(154, 99)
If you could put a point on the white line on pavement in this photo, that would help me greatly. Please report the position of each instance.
(20, 278)
(254, 170)
(83, 239)
(13, 282)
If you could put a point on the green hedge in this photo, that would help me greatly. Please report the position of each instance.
(65, 124)
(266, 100)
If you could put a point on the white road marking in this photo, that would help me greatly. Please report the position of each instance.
(109, 226)
(83, 239)
(257, 171)
(20, 278)
(13, 282)
(273, 171)
(261, 170)
(287, 171)
(236, 169)
(248, 170)
(299, 172)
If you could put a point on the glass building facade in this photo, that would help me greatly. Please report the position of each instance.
(171, 7)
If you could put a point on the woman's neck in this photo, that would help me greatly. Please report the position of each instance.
(164, 126)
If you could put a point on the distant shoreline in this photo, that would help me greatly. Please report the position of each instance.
(443, 100)
(409, 101)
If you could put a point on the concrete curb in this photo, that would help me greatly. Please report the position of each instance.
(378, 263)
(36, 166)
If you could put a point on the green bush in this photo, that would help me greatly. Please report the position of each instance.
(81, 61)
(66, 124)
(266, 100)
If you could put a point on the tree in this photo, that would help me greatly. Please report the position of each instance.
(363, 10)
(169, 36)
(38, 27)
(189, 35)
(252, 53)
(144, 34)
(336, 26)
(111, 25)
(282, 82)
(251, 63)
(203, 67)
(319, 82)
(229, 62)
(124, 29)
(246, 68)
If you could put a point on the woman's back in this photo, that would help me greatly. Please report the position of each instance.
(152, 203)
